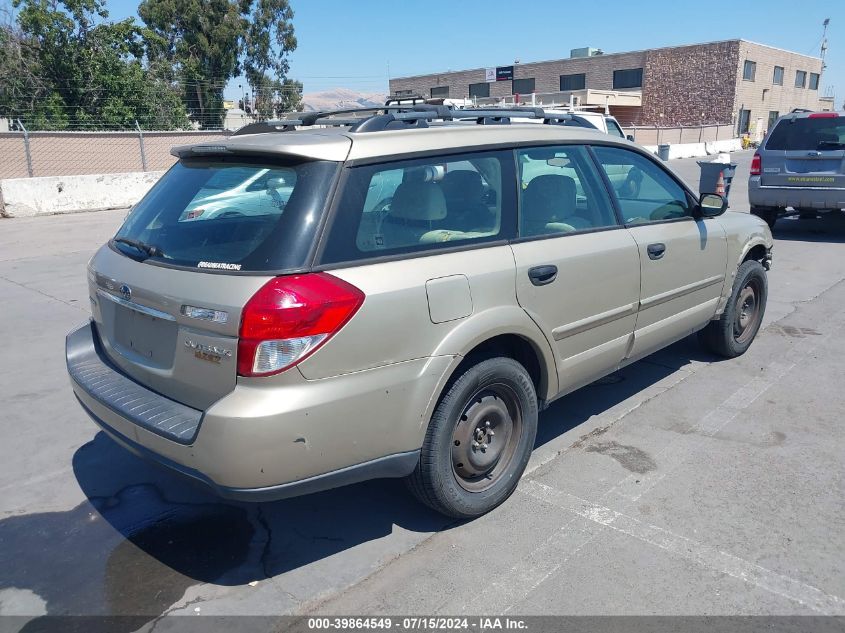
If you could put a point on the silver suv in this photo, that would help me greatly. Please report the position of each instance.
(399, 296)
(800, 167)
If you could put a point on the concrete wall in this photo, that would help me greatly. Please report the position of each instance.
(27, 197)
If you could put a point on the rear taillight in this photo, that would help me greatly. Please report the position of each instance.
(823, 115)
(289, 318)
(756, 168)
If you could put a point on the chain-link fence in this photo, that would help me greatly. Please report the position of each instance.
(27, 154)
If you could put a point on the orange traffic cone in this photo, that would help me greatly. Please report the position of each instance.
(720, 184)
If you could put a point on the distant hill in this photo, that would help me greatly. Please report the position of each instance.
(341, 98)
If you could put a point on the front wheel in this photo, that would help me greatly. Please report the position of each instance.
(732, 334)
(479, 440)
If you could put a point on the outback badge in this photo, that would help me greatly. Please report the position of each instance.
(211, 353)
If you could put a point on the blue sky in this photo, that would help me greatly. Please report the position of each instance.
(352, 43)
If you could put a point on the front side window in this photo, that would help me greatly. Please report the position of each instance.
(749, 70)
(630, 78)
(800, 78)
(560, 192)
(777, 77)
(814, 81)
(523, 86)
(423, 204)
(230, 213)
(439, 91)
(644, 190)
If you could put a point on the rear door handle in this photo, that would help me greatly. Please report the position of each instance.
(656, 251)
(542, 275)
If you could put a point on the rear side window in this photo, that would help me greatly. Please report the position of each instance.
(644, 190)
(825, 133)
(424, 204)
(230, 214)
(560, 192)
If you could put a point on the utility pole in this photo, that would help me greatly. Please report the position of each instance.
(824, 41)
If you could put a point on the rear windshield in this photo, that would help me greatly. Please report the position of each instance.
(230, 214)
(819, 134)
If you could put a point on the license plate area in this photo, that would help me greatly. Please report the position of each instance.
(814, 165)
(143, 337)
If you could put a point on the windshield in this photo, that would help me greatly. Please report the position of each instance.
(820, 134)
(229, 214)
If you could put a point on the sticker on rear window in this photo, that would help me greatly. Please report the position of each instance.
(219, 265)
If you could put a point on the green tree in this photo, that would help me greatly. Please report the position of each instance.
(208, 42)
(201, 41)
(64, 65)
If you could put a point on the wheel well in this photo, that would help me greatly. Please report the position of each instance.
(512, 346)
(757, 253)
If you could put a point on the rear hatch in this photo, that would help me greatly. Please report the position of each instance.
(806, 151)
(167, 292)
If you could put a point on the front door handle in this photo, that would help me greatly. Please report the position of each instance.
(542, 275)
(656, 251)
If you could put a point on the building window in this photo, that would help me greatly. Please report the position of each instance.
(744, 121)
(630, 78)
(573, 82)
(479, 91)
(523, 86)
(749, 69)
(773, 116)
(814, 81)
(777, 77)
(800, 78)
(440, 92)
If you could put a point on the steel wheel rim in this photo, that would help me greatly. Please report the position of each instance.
(747, 312)
(485, 437)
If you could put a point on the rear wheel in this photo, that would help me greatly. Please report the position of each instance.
(732, 335)
(479, 440)
(769, 216)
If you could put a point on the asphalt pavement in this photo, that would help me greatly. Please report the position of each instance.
(682, 484)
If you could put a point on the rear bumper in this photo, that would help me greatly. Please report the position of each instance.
(267, 441)
(819, 198)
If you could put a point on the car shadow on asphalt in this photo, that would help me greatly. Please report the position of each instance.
(829, 228)
(144, 536)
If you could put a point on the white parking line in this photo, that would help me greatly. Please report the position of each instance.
(701, 554)
(547, 559)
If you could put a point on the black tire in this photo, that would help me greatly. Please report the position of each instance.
(734, 332)
(769, 216)
(497, 389)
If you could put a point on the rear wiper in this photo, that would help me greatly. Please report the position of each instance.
(149, 249)
(830, 145)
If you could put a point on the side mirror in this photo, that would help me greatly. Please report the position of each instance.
(630, 137)
(711, 204)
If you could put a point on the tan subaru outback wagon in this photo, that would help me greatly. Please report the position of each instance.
(320, 301)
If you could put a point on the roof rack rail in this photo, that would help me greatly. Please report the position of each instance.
(325, 117)
(407, 116)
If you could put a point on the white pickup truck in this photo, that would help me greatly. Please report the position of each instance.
(604, 122)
